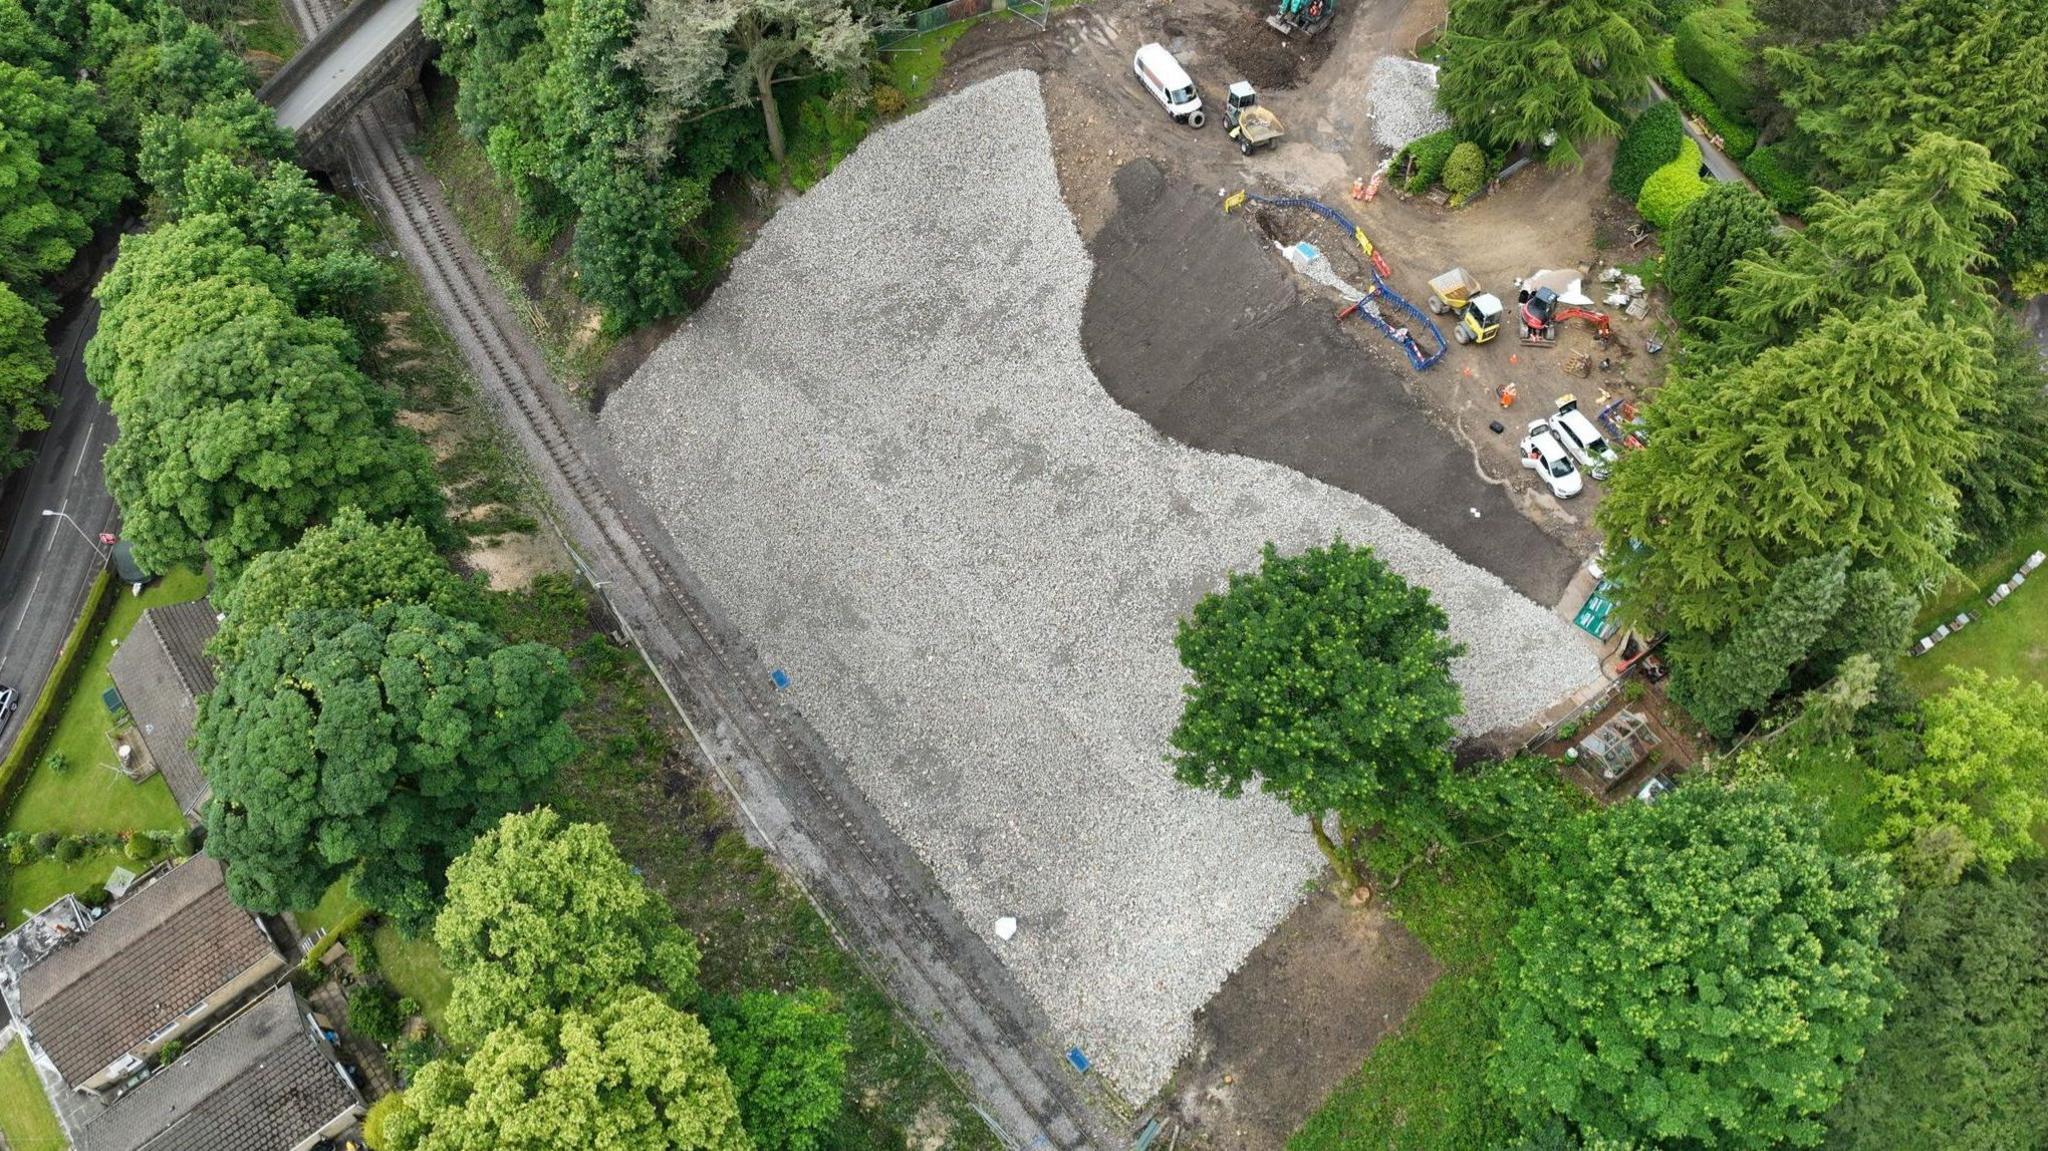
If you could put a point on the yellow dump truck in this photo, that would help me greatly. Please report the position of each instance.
(1479, 313)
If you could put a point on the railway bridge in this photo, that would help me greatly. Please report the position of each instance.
(368, 47)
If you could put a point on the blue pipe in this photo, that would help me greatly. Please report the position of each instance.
(1385, 291)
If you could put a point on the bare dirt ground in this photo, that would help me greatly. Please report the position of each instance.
(1101, 119)
(1292, 1023)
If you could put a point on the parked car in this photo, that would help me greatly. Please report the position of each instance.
(1654, 789)
(1582, 439)
(10, 700)
(1544, 454)
(1169, 84)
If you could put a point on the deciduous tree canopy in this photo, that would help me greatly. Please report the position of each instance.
(631, 1072)
(1323, 678)
(25, 367)
(1962, 1062)
(1697, 972)
(1985, 772)
(375, 745)
(786, 1056)
(542, 915)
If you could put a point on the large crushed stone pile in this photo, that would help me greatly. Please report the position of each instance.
(1403, 98)
(883, 448)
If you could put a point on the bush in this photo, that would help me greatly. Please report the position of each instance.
(1672, 187)
(373, 1012)
(1782, 184)
(1738, 139)
(169, 1052)
(379, 1116)
(57, 762)
(70, 849)
(1712, 46)
(96, 896)
(191, 840)
(409, 1055)
(1430, 153)
(1648, 144)
(357, 939)
(142, 847)
(889, 101)
(1464, 171)
(45, 842)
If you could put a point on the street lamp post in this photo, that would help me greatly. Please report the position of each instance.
(82, 534)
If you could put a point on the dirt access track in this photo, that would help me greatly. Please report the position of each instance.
(1195, 324)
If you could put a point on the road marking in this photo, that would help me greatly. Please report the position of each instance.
(92, 429)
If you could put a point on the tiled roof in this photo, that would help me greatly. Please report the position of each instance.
(260, 1083)
(161, 670)
(154, 957)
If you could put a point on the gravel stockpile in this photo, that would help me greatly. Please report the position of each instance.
(884, 450)
(1403, 98)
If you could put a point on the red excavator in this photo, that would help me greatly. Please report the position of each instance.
(1542, 315)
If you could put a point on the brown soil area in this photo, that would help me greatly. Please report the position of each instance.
(1101, 119)
(1299, 1016)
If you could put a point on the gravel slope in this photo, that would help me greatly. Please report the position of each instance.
(884, 449)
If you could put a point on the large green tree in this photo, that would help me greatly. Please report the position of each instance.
(1962, 1063)
(1323, 678)
(350, 562)
(1918, 240)
(1973, 69)
(786, 1056)
(631, 1072)
(58, 177)
(250, 430)
(1844, 440)
(25, 366)
(543, 915)
(375, 745)
(2002, 490)
(1727, 222)
(1729, 680)
(1984, 773)
(1700, 972)
(1548, 72)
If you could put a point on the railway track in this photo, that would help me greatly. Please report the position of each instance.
(879, 897)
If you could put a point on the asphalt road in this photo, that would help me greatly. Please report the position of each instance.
(46, 564)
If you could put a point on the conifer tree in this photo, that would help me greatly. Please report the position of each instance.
(1551, 72)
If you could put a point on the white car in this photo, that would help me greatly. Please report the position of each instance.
(1653, 790)
(1545, 455)
(1582, 439)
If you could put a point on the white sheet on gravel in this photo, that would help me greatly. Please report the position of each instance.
(882, 447)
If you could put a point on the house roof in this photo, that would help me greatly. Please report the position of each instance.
(161, 670)
(155, 956)
(260, 1083)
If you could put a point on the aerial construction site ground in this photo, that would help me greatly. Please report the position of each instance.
(977, 419)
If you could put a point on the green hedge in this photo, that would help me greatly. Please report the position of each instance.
(1673, 186)
(1738, 139)
(1788, 190)
(1712, 46)
(1430, 154)
(1649, 143)
(28, 746)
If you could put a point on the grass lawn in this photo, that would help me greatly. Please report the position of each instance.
(26, 1121)
(89, 795)
(755, 928)
(2010, 639)
(413, 968)
(1424, 1089)
(333, 907)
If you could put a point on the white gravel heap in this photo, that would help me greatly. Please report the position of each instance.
(1403, 98)
(883, 448)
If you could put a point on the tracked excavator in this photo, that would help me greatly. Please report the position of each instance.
(1307, 17)
(1543, 314)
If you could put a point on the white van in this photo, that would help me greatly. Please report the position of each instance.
(1168, 82)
